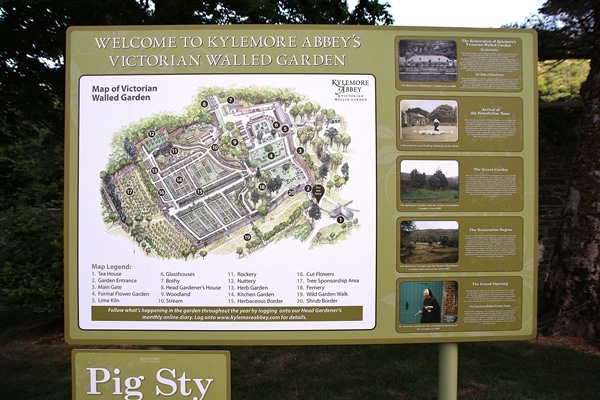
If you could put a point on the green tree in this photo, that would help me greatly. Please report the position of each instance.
(314, 212)
(345, 171)
(31, 257)
(406, 230)
(345, 140)
(308, 109)
(303, 137)
(434, 182)
(294, 111)
(444, 113)
(417, 179)
(323, 171)
(561, 80)
(369, 12)
(263, 209)
(338, 181)
(566, 29)
(444, 240)
(336, 160)
(330, 184)
(317, 144)
(130, 149)
(274, 184)
(32, 92)
(254, 196)
(331, 133)
(438, 180)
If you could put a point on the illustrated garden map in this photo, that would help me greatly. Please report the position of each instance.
(200, 192)
(237, 170)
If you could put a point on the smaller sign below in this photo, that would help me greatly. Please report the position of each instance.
(139, 374)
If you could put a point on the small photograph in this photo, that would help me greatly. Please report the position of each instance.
(428, 242)
(429, 181)
(429, 120)
(428, 302)
(427, 60)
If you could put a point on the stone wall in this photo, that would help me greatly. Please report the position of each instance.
(450, 296)
(555, 160)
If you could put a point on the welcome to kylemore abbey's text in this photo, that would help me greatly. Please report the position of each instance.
(197, 52)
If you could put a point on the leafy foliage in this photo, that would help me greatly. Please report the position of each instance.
(561, 80)
(565, 29)
(314, 211)
(445, 113)
(31, 258)
(32, 82)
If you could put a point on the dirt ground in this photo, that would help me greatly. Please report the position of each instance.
(423, 253)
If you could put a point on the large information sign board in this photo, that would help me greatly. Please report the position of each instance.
(300, 184)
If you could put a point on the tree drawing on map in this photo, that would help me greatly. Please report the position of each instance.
(237, 171)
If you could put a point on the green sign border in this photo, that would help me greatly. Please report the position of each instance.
(377, 55)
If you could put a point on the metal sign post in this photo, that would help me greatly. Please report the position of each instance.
(448, 371)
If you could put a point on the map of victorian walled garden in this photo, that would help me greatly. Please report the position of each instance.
(238, 170)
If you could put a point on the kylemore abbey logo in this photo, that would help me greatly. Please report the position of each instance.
(349, 89)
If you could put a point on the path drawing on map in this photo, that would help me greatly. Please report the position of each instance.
(238, 170)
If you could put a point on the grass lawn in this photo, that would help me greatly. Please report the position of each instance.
(35, 364)
(425, 195)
